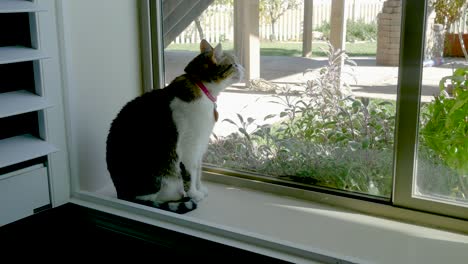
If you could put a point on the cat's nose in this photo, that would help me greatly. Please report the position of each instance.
(239, 67)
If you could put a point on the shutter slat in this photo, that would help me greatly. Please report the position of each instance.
(18, 6)
(14, 54)
(23, 148)
(20, 102)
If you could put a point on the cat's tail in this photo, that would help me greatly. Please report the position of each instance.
(181, 206)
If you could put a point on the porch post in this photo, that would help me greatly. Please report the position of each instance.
(338, 27)
(307, 33)
(338, 24)
(246, 36)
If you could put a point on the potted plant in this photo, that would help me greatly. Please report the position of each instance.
(447, 13)
(453, 45)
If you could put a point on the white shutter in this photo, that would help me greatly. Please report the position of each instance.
(23, 131)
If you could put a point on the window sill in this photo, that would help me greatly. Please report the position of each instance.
(292, 229)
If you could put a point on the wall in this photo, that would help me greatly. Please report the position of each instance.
(102, 62)
(388, 39)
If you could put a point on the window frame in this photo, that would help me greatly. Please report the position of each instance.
(402, 205)
(407, 116)
(152, 44)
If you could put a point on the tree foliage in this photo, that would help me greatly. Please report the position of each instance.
(272, 10)
(447, 11)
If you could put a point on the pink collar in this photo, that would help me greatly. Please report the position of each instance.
(205, 90)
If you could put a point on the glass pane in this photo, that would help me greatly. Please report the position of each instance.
(443, 129)
(306, 119)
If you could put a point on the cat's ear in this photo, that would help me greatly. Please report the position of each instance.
(218, 51)
(205, 46)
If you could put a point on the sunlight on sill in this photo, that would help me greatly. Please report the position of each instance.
(370, 221)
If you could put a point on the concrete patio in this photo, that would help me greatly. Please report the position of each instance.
(370, 81)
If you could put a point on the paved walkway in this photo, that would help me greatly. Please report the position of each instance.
(369, 80)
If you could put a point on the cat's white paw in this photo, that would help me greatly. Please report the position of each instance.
(203, 190)
(196, 195)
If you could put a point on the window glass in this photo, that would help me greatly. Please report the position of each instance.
(324, 118)
(443, 129)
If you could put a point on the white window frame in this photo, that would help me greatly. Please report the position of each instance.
(407, 117)
(444, 214)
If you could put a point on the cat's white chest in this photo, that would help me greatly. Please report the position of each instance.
(196, 115)
(194, 122)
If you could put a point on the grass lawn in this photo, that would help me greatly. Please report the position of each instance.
(293, 49)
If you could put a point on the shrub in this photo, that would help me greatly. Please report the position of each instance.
(325, 137)
(355, 30)
(325, 29)
(361, 31)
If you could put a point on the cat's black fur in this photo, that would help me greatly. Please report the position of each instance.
(141, 143)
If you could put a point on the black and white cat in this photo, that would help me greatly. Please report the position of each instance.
(157, 141)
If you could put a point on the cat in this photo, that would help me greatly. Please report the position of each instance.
(156, 143)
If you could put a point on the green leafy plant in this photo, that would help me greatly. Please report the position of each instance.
(325, 28)
(361, 31)
(446, 125)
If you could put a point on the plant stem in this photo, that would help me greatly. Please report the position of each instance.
(462, 185)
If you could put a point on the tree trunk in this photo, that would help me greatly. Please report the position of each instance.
(273, 33)
(462, 44)
(199, 28)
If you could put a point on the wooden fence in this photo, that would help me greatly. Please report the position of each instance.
(461, 25)
(217, 21)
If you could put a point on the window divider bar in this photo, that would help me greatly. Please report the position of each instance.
(157, 43)
(408, 99)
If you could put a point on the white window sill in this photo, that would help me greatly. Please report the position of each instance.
(293, 229)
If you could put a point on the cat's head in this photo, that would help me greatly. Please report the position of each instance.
(215, 66)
